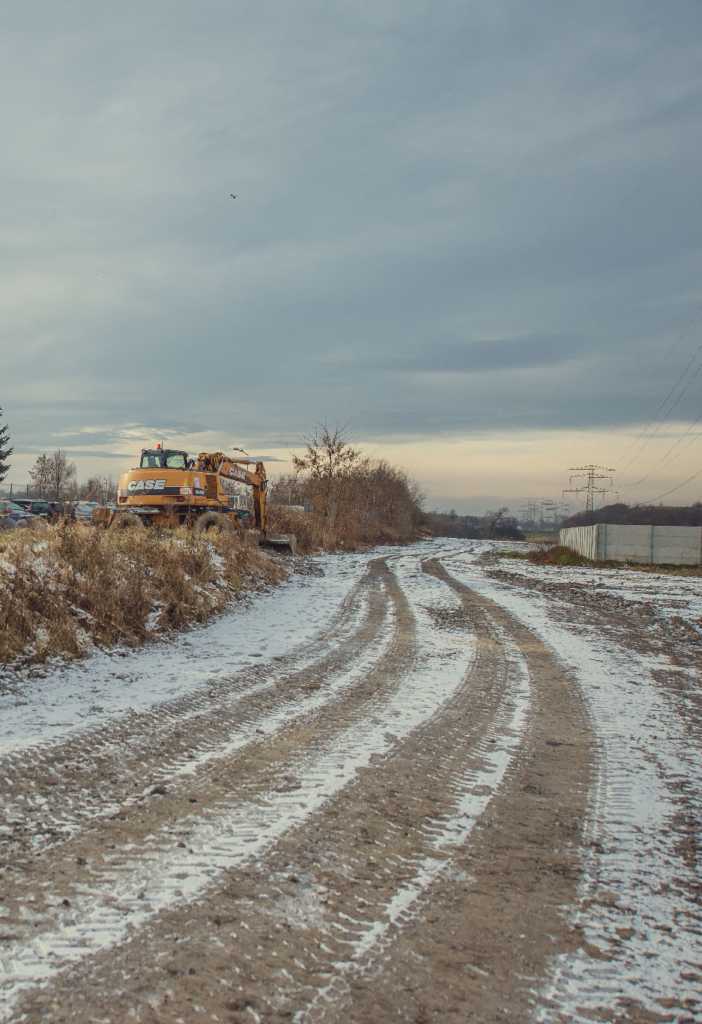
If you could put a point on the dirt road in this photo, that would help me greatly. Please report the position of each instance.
(395, 808)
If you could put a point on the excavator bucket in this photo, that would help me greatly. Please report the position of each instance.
(284, 543)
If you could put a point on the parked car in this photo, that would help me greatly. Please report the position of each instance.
(12, 515)
(82, 510)
(38, 508)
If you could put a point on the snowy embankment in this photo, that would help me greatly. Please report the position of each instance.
(47, 702)
(69, 589)
(669, 595)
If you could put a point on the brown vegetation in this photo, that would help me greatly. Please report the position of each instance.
(552, 554)
(64, 590)
(327, 533)
(355, 501)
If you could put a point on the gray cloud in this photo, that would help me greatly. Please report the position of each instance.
(73, 453)
(407, 176)
(499, 355)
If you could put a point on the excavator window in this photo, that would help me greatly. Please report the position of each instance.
(176, 460)
(152, 461)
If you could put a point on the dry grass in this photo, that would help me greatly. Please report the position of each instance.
(66, 589)
(554, 554)
(327, 533)
(551, 554)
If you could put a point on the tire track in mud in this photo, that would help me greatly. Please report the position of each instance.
(490, 924)
(639, 901)
(428, 885)
(50, 792)
(143, 832)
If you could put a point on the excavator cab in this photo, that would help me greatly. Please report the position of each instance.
(164, 458)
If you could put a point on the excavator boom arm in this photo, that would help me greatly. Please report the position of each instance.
(237, 469)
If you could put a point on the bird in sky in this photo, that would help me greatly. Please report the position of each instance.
(233, 197)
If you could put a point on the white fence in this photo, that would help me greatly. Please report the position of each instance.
(652, 545)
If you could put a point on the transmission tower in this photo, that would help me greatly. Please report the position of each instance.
(592, 487)
(543, 513)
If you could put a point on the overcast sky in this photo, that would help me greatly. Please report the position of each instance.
(472, 229)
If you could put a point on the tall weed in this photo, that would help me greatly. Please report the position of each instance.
(67, 589)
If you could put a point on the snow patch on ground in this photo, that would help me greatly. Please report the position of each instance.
(57, 700)
(635, 906)
(672, 596)
(146, 882)
(637, 900)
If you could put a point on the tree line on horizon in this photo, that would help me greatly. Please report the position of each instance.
(620, 514)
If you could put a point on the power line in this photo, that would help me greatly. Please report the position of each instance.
(670, 450)
(651, 436)
(543, 512)
(693, 477)
(664, 459)
(645, 388)
(661, 406)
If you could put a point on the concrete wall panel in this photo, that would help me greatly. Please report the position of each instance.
(657, 545)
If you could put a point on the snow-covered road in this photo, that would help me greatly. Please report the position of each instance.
(518, 745)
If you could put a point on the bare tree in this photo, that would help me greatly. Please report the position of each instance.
(328, 461)
(391, 497)
(53, 476)
(287, 489)
(361, 496)
(62, 476)
(39, 474)
(98, 488)
(491, 520)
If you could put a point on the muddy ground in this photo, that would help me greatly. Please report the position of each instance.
(402, 818)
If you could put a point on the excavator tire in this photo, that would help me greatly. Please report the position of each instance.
(126, 521)
(211, 520)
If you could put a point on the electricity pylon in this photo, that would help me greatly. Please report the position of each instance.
(593, 475)
(543, 512)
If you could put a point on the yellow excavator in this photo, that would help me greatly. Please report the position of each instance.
(171, 489)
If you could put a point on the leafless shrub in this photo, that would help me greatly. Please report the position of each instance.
(312, 533)
(287, 489)
(328, 464)
(98, 488)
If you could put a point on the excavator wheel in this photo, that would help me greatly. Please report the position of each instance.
(211, 520)
(126, 521)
